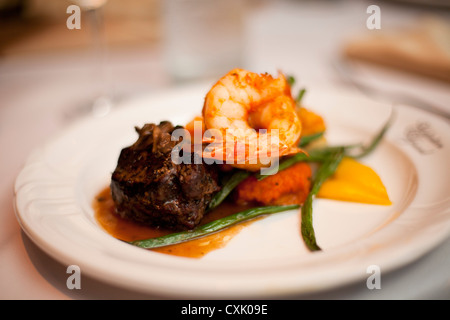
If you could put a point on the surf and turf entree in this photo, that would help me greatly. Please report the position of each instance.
(253, 150)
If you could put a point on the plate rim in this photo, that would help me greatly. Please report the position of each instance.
(62, 257)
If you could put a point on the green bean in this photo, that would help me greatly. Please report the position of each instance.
(315, 155)
(230, 184)
(290, 80)
(210, 227)
(375, 141)
(300, 95)
(286, 163)
(305, 140)
(326, 169)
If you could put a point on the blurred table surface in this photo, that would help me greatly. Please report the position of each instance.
(43, 84)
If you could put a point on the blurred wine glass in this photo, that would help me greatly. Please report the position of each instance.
(102, 103)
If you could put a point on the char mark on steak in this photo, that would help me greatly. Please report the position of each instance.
(148, 187)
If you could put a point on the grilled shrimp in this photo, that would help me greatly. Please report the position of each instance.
(252, 119)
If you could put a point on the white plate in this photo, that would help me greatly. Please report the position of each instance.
(55, 189)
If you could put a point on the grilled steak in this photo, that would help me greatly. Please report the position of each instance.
(148, 187)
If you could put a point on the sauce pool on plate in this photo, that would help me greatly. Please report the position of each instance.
(127, 230)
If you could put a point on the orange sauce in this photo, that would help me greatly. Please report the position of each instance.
(127, 230)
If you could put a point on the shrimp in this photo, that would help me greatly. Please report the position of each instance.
(253, 118)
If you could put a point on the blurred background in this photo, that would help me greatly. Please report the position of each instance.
(142, 45)
(51, 75)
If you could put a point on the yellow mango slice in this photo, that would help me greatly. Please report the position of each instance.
(355, 182)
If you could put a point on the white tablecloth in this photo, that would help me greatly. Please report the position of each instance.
(39, 92)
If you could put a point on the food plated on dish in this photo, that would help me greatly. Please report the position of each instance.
(254, 150)
(66, 181)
